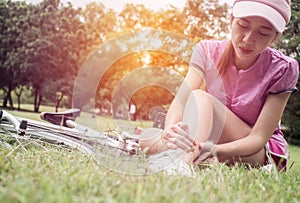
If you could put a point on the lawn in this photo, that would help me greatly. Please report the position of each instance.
(54, 174)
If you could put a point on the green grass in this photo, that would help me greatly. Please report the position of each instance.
(54, 174)
(58, 175)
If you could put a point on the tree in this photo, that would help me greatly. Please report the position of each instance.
(43, 46)
(206, 19)
(98, 24)
(137, 17)
(4, 45)
(133, 69)
(289, 43)
(13, 24)
(54, 45)
(66, 54)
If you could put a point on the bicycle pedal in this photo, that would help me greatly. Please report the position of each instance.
(60, 118)
(23, 127)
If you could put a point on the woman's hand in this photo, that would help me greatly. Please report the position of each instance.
(206, 152)
(177, 136)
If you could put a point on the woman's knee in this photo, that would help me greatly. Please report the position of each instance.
(200, 96)
(198, 99)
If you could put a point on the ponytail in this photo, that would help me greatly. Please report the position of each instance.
(226, 59)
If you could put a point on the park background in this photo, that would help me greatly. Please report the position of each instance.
(44, 44)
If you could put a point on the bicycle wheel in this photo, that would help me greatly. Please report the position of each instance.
(113, 149)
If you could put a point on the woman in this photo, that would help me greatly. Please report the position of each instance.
(248, 85)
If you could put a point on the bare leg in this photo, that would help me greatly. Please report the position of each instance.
(209, 119)
(198, 114)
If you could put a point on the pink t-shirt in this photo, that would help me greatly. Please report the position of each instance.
(244, 91)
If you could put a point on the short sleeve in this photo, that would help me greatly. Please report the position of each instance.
(206, 54)
(199, 56)
(286, 78)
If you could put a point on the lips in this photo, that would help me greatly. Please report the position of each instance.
(245, 50)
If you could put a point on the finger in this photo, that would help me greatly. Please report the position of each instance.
(171, 146)
(180, 133)
(206, 151)
(180, 144)
(180, 128)
(166, 136)
(183, 126)
(179, 140)
(183, 129)
(185, 141)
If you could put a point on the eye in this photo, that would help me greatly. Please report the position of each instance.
(264, 34)
(243, 25)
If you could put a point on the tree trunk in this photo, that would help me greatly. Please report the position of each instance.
(4, 104)
(7, 98)
(11, 103)
(19, 103)
(37, 101)
(58, 100)
(19, 94)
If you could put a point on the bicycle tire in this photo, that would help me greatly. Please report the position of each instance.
(71, 137)
(94, 144)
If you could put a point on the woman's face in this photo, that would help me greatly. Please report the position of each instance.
(250, 36)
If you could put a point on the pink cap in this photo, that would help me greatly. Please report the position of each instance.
(277, 12)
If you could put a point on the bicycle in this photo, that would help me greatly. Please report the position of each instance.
(116, 149)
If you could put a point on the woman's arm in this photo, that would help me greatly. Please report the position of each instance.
(261, 132)
(151, 141)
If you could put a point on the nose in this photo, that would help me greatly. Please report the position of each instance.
(249, 37)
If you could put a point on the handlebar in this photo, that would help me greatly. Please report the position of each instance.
(20, 126)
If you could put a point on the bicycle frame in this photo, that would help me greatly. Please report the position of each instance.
(77, 136)
(116, 149)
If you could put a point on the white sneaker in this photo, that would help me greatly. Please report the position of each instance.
(269, 168)
(171, 163)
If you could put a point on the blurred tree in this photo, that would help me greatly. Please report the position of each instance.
(44, 57)
(47, 44)
(4, 46)
(289, 43)
(136, 17)
(206, 19)
(196, 14)
(144, 67)
(67, 53)
(52, 60)
(13, 24)
(98, 24)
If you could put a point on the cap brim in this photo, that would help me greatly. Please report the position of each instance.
(246, 9)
